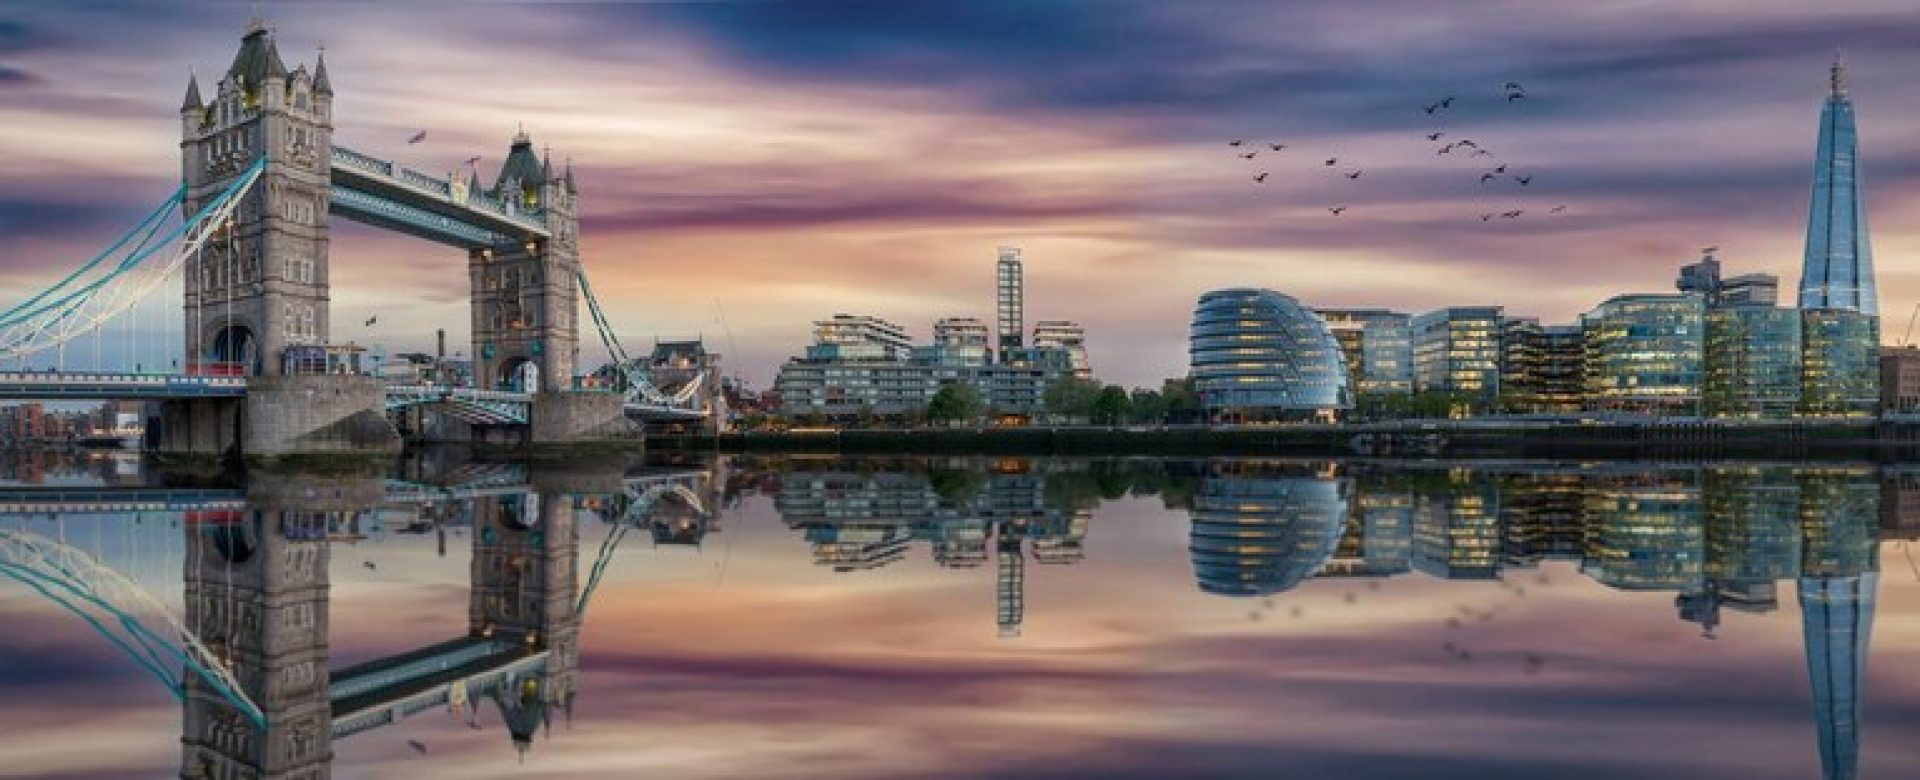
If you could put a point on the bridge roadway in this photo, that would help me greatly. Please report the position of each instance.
(487, 407)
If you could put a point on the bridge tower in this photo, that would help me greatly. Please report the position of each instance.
(262, 285)
(526, 295)
(257, 593)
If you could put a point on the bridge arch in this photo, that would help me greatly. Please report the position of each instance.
(234, 342)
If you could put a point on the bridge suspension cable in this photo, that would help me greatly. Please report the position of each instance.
(99, 290)
(638, 383)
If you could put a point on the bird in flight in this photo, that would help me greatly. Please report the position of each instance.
(1501, 168)
(1434, 136)
(1262, 178)
(1448, 149)
(1249, 155)
(1513, 214)
(1512, 85)
(1338, 210)
(1276, 147)
(417, 137)
(1487, 177)
(1709, 250)
(1556, 209)
(1524, 180)
(1235, 142)
(1446, 102)
(1354, 174)
(1487, 217)
(373, 319)
(417, 745)
(1512, 96)
(474, 159)
(1482, 152)
(1331, 161)
(369, 565)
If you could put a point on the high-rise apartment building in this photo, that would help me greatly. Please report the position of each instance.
(1066, 336)
(1011, 285)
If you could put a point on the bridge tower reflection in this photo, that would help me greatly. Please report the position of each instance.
(525, 575)
(257, 588)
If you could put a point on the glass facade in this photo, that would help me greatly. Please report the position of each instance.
(1257, 355)
(1752, 362)
(1458, 350)
(1644, 353)
(1837, 272)
(1260, 534)
(1541, 366)
(1839, 363)
(1377, 346)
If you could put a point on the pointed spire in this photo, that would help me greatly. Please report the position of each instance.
(1839, 72)
(568, 177)
(321, 85)
(275, 68)
(193, 101)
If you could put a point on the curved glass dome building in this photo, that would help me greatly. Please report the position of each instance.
(1260, 535)
(1257, 356)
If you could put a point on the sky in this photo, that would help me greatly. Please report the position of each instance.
(746, 168)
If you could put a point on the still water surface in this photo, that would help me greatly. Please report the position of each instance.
(974, 617)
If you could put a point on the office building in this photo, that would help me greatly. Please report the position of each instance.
(1752, 362)
(1840, 362)
(1376, 345)
(1837, 272)
(1900, 380)
(1541, 366)
(1068, 337)
(1703, 278)
(1645, 354)
(1457, 350)
(1010, 284)
(1259, 356)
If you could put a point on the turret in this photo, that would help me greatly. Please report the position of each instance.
(321, 85)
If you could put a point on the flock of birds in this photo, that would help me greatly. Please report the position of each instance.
(1511, 92)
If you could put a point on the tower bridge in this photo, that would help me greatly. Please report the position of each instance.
(262, 176)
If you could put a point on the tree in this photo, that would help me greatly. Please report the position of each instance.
(1148, 407)
(1183, 404)
(955, 402)
(1110, 406)
(1071, 397)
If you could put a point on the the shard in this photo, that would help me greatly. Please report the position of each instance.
(1838, 268)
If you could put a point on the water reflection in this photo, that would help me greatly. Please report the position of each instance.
(265, 693)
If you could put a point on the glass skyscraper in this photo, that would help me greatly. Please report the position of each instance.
(1840, 331)
(1838, 269)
